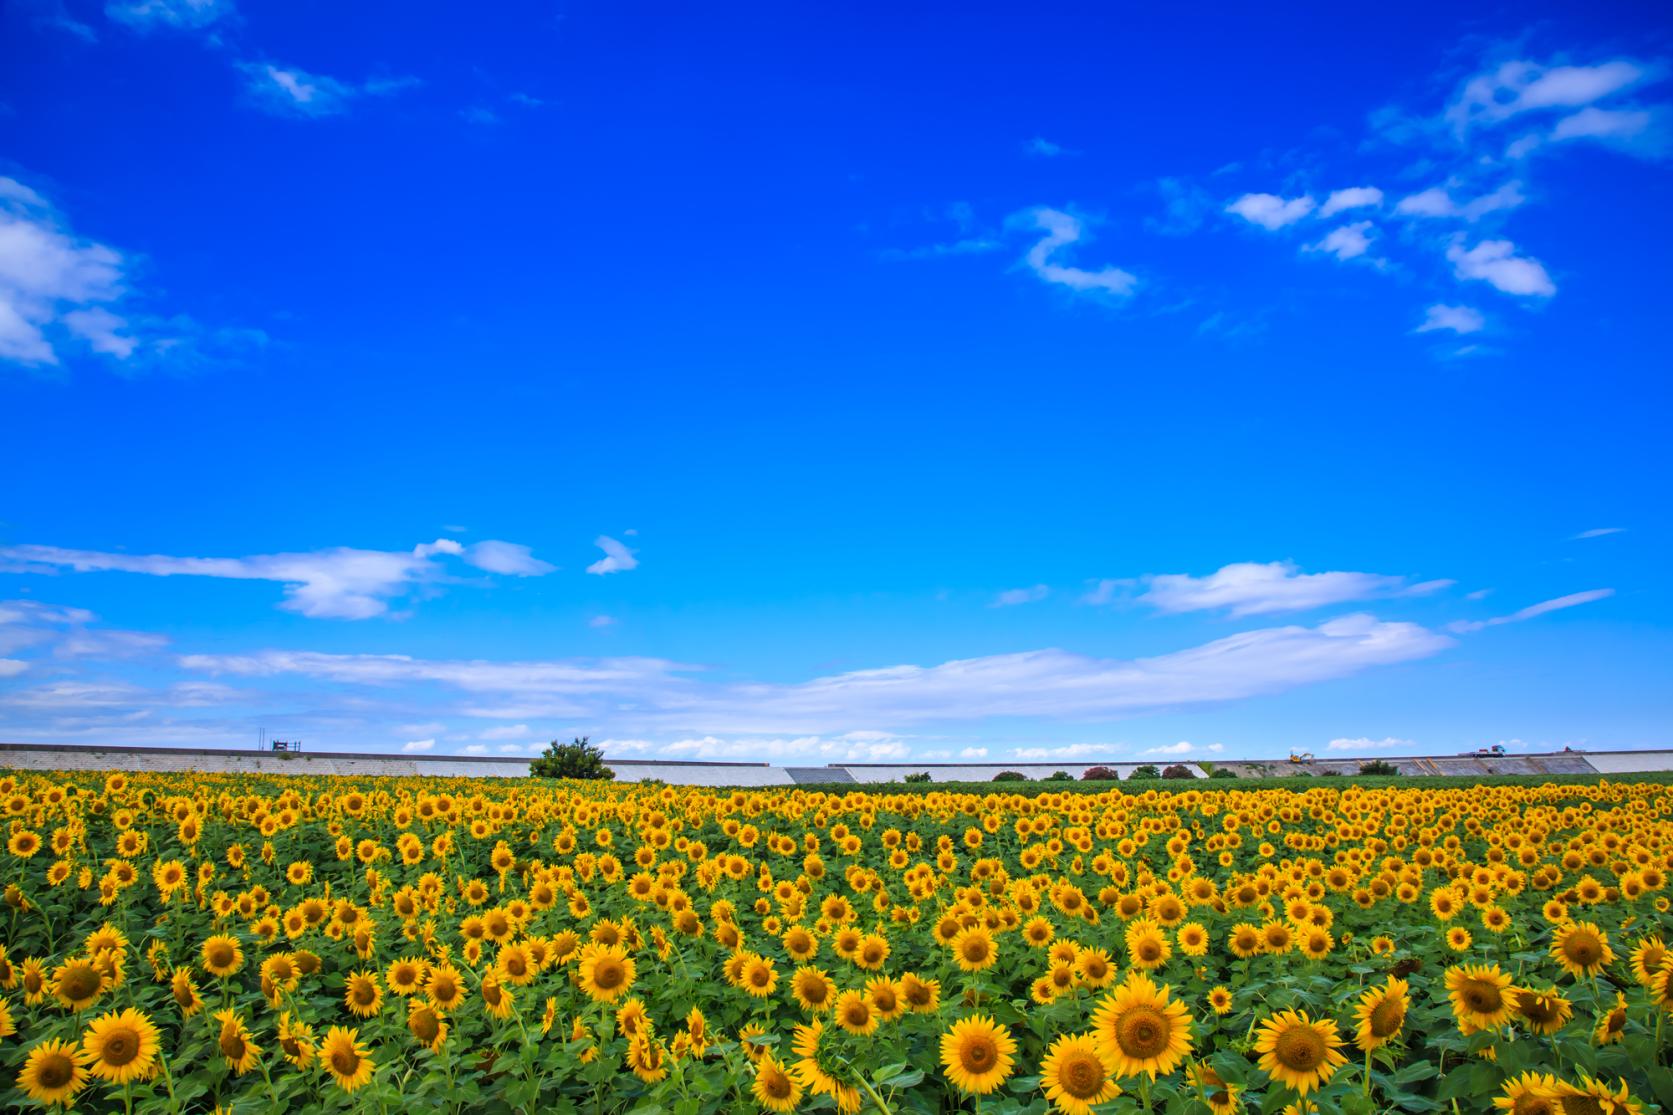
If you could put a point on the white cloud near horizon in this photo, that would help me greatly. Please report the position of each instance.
(1253, 588)
(337, 583)
(416, 745)
(1364, 743)
(617, 557)
(1061, 230)
(655, 695)
(1532, 611)
(1185, 747)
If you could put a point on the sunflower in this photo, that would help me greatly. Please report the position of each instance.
(1611, 1024)
(853, 1013)
(240, 1052)
(1581, 948)
(1381, 1014)
(1480, 996)
(1220, 1096)
(185, 992)
(77, 983)
(1245, 940)
(52, 1073)
(759, 978)
(346, 1058)
(1140, 1030)
(774, 1088)
(405, 976)
(1220, 999)
(1661, 991)
(425, 1022)
(362, 995)
(974, 950)
(296, 1040)
(1594, 1095)
(496, 997)
(1532, 1093)
(1147, 945)
(1298, 1051)
(1544, 1012)
(1649, 957)
(813, 989)
(1075, 1077)
(222, 955)
(884, 996)
(445, 987)
(920, 995)
(605, 972)
(976, 1054)
(121, 1046)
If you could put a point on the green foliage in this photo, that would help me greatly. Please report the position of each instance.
(1221, 772)
(579, 759)
(1178, 770)
(919, 776)
(1060, 776)
(1377, 766)
(1148, 770)
(1010, 776)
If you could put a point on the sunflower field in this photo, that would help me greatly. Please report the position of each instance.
(226, 943)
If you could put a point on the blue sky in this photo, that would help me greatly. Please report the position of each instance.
(812, 384)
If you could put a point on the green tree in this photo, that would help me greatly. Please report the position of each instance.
(579, 759)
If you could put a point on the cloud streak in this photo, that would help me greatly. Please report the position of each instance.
(1533, 611)
(1253, 589)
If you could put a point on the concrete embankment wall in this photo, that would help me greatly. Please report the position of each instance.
(25, 756)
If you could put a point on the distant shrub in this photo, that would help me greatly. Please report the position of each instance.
(1010, 776)
(1098, 774)
(1377, 766)
(919, 776)
(1148, 770)
(579, 759)
(1178, 770)
(1060, 776)
(1222, 772)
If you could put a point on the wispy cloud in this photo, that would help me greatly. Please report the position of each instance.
(177, 15)
(1351, 241)
(1014, 596)
(414, 745)
(1364, 743)
(1186, 747)
(1253, 588)
(1598, 532)
(617, 557)
(1060, 231)
(293, 91)
(1457, 319)
(338, 583)
(1533, 611)
(1044, 148)
(1437, 202)
(1354, 197)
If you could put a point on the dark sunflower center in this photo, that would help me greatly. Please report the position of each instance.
(425, 1026)
(1583, 949)
(220, 956)
(1481, 997)
(777, 1085)
(978, 1054)
(1387, 1017)
(345, 1060)
(1142, 1032)
(1082, 1076)
(121, 1046)
(81, 983)
(1300, 1049)
(56, 1071)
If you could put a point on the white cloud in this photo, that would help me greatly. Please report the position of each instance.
(1347, 242)
(339, 583)
(53, 281)
(293, 91)
(1366, 744)
(507, 731)
(1437, 202)
(601, 622)
(617, 557)
(812, 749)
(1496, 262)
(650, 695)
(1067, 751)
(973, 753)
(1104, 590)
(1354, 197)
(1013, 596)
(1603, 124)
(11, 667)
(1043, 147)
(1061, 230)
(1252, 588)
(1459, 319)
(494, 556)
(413, 745)
(1270, 211)
(475, 749)
(1185, 747)
(1533, 611)
(1517, 87)
(186, 15)
(1598, 532)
